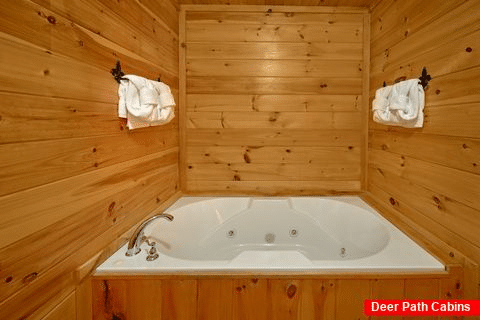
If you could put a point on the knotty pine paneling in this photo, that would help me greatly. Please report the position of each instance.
(73, 178)
(428, 177)
(273, 100)
(313, 3)
(279, 297)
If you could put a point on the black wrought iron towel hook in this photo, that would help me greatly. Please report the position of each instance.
(424, 79)
(118, 74)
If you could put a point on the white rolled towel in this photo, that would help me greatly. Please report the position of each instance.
(144, 102)
(400, 105)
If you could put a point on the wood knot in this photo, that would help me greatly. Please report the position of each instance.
(52, 19)
(246, 157)
(239, 289)
(254, 280)
(468, 49)
(437, 91)
(94, 149)
(451, 254)
(30, 277)
(392, 201)
(323, 85)
(273, 117)
(236, 177)
(436, 200)
(118, 316)
(291, 291)
(8, 279)
(111, 207)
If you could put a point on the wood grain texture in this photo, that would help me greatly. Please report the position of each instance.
(329, 3)
(66, 310)
(428, 177)
(74, 179)
(272, 103)
(260, 85)
(266, 297)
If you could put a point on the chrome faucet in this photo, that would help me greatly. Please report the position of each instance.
(138, 237)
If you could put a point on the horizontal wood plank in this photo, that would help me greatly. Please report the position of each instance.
(281, 120)
(279, 33)
(274, 68)
(268, 50)
(233, 17)
(272, 137)
(273, 172)
(273, 187)
(279, 103)
(273, 155)
(274, 85)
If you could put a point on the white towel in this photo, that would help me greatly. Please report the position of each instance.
(400, 105)
(144, 102)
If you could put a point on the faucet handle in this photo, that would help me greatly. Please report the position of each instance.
(150, 243)
(152, 250)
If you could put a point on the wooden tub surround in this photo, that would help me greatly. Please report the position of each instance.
(264, 296)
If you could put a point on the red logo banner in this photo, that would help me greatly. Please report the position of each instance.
(422, 307)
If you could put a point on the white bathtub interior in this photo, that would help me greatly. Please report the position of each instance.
(308, 234)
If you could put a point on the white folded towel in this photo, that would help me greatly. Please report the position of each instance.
(400, 105)
(144, 102)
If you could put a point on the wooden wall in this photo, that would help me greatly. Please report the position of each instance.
(73, 178)
(331, 3)
(273, 99)
(222, 297)
(428, 179)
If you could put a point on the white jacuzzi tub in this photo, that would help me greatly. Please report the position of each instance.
(295, 234)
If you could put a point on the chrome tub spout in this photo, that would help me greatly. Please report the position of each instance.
(138, 237)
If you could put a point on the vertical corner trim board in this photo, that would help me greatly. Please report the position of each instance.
(73, 178)
(277, 96)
